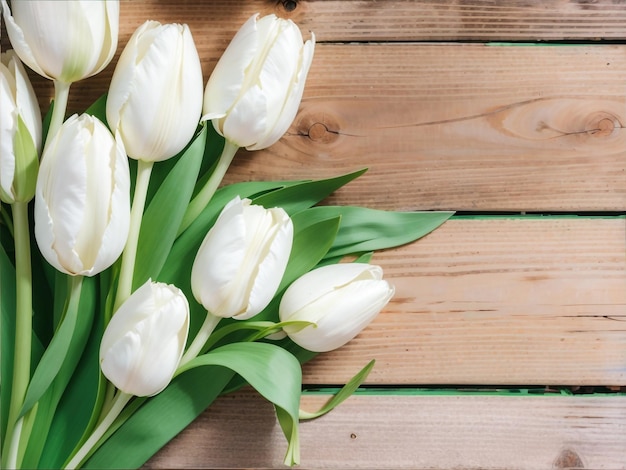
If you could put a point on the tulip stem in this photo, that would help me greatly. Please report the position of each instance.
(117, 407)
(23, 320)
(200, 201)
(125, 284)
(61, 94)
(210, 322)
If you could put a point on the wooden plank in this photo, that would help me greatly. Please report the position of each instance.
(394, 432)
(402, 20)
(440, 126)
(497, 301)
(454, 127)
(462, 20)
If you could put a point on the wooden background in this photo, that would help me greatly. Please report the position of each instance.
(511, 112)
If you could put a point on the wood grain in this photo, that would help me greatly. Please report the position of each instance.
(441, 126)
(462, 20)
(497, 301)
(444, 124)
(412, 432)
(456, 127)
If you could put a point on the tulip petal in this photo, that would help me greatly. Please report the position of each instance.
(280, 69)
(155, 96)
(226, 81)
(75, 192)
(247, 119)
(219, 258)
(242, 259)
(321, 281)
(113, 239)
(291, 102)
(8, 118)
(271, 267)
(18, 39)
(144, 341)
(341, 315)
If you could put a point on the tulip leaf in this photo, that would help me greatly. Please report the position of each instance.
(305, 194)
(98, 109)
(160, 418)
(48, 402)
(364, 229)
(68, 342)
(162, 218)
(7, 332)
(273, 372)
(312, 240)
(346, 391)
(80, 401)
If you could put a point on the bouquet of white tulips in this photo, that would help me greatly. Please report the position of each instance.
(135, 287)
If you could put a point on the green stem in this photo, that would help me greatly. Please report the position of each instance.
(12, 454)
(61, 94)
(117, 407)
(200, 201)
(23, 319)
(210, 322)
(125, 283)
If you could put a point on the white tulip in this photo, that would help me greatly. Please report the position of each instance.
(340, 299)
(242, 259)
(143, 343)
(82, 200)
(254, 92)
(155, 96)
(20, 131)
(63, 40)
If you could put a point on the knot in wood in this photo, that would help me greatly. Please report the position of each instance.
(320, 128)
(568, 459)
(289, 5)
(603, 124)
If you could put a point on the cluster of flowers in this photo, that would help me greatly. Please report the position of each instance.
(81, 185)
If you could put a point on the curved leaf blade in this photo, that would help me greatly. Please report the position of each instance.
(164, 214)
(273, 372)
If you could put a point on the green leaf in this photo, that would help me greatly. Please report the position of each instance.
(346, 391)
(273, 372)
(98, 109)
(26, 162)
(77, 405)
(160, 419)
(65, 345)
(48, 402)
(365, 229)
(7, 338)
(312, 240)
(303, 195)
(163, 216)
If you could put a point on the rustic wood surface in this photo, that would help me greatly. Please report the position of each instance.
(412, 432)
(498, 301)
(465, 105)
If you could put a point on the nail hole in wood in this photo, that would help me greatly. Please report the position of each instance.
(289, 5)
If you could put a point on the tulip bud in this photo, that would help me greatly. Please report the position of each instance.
(341, 299)
(155, 96)
(82, 198)
(254, 92)
(242, 259)
(20, 128)
(142, 344)
(63, 40)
